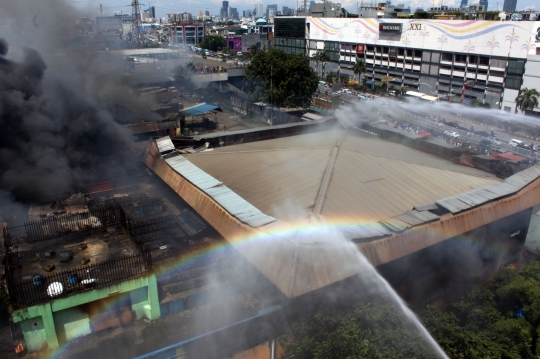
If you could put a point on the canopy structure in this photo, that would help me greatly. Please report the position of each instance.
(200, 109)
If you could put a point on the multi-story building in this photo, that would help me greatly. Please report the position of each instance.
(224, 12)
(259, 10)
(485, 3)
(428, 56)
(247, 13)
(271, 10)
(233, 13)
(186, 33)
(285, 10)
(509, 5)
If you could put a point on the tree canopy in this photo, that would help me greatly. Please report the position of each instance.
(527, 99)
(213, 42)
(499, 318)
(281, 79)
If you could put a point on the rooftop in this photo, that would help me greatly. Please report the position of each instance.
(337, 174)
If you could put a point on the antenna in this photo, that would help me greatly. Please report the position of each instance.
(101, 9)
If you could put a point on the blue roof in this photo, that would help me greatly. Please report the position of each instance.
(199, 109)
(260, 21)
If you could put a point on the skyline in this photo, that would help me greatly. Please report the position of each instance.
(192, 6)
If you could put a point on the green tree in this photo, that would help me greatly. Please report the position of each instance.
(527, 99)
(402, 91)
(230, 23)
(253, 49)
(359, 67)
(421, 15)
(367, 331)
(320, 57)
(213, 42)
(280, 79)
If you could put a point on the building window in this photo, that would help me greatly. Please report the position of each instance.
(483, 61)
(516, 66)
(446, 57)
(513, 82)
(499, 63)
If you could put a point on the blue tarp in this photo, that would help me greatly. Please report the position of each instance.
(199, 109)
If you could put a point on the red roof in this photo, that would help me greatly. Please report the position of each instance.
(508, 156)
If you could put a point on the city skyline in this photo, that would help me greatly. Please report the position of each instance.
(214, 6)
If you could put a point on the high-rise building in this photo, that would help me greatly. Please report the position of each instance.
(285, 10)
(233, 13)
(271, 10)
(224, 9)
(259, 10)
(247, 13)
(152, 11)
(207, 13)
(509, 5)
(464, 4)
(484, 3)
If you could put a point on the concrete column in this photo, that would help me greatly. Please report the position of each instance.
(153, 298)
(48, 323)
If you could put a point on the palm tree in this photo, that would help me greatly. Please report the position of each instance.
(402, 91)
(359, 67)
(322, 57)
(527, 99)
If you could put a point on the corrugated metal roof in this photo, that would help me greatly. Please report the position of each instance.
(164, 144)
(230, 201)
(370, 180)
(199, 109)
(470, 199)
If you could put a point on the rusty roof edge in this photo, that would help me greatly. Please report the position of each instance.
(509, 186)
(229, 200)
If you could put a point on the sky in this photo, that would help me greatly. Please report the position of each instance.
(175, 6)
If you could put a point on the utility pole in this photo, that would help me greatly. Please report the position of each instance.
(135, 16)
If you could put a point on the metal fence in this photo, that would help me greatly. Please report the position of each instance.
(42, 288)
(100, 216)
(468, 135)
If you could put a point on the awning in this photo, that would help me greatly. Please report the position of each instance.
(199, 109)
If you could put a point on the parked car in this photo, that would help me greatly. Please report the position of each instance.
(452, 124)
(452, 134)
(486, 143)
(514, 143)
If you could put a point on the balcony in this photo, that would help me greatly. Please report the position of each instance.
(416, 67)
(496, 79)
(483, 67)
(384, 63)
(481, 77)
(417, 58)
(446, 62)
(370, 53)
(501, 69)
(459, 64)
(399, 65)
(459, 74)
(445, 72)
(370, 61)
(471, 75)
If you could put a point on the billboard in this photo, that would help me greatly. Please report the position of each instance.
(392, 52)
(360, 48)
(390, 28)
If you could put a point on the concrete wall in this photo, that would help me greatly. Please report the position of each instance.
(48, 324)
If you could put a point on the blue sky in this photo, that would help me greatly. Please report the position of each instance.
(170, 6)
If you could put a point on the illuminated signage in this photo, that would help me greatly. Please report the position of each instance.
(390, 28)
(392, 52)
(360, 48)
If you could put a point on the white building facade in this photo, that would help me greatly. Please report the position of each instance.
(435, 57)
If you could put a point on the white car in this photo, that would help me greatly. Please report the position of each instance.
(452, 134)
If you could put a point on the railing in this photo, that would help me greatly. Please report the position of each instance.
(101, 216)
(469, 135)
(42, 288)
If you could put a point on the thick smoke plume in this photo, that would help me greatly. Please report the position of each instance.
(59, 110)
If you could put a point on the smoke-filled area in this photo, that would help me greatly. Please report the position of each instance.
(60, 111)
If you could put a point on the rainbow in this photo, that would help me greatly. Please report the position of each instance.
(308, 232)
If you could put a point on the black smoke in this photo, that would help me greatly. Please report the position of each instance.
(60, 111)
